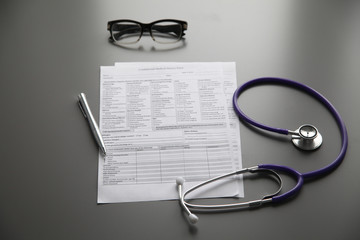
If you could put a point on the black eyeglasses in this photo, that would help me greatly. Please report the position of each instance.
(161, 31)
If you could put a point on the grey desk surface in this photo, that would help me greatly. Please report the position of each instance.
(51, 50)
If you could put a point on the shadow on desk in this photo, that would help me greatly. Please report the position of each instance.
(150, 46)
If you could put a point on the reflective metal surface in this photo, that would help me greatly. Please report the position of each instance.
(307, 137)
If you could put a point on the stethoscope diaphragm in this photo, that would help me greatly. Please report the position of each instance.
(306, 137)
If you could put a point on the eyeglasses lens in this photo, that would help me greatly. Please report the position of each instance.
(166, 32)
(126, 32)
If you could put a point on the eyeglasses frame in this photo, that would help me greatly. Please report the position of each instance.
(146, 27)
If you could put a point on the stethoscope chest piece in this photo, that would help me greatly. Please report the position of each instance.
(307, 137)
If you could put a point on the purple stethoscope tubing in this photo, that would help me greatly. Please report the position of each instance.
(299, 176)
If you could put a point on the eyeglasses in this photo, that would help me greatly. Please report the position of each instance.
(161, 31)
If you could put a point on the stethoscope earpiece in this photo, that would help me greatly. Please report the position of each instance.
(192, 217)
(306, 137)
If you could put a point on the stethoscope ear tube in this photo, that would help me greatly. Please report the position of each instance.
(230, 206)
(292, 192)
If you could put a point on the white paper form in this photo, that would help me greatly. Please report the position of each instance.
(164, 120)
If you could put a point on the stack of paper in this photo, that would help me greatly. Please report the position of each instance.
(160, 121)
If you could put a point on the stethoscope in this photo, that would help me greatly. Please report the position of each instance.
(306, 137)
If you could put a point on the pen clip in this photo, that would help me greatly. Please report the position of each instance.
(80, 103)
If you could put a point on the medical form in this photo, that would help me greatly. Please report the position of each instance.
(160, 121)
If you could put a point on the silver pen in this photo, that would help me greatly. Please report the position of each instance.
(84, 106)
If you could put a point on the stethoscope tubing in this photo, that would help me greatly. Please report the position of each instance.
(310, 91)
(292, 172)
